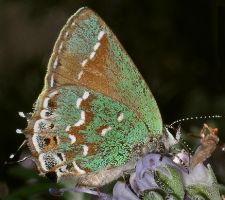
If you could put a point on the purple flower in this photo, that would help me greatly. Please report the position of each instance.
(161, 177)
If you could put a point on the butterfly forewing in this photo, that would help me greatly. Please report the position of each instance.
(88, 54)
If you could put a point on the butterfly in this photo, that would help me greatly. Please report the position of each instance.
(95, 115)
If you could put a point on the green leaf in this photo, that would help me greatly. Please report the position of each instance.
(208, 190)
(170, 180)
(152, 195)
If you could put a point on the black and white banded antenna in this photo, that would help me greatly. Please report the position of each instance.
(194, 118)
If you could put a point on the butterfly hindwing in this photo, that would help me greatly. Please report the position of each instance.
(105, 130)
(87, 130)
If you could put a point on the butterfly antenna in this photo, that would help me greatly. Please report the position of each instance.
(194, 118)
(13, 154)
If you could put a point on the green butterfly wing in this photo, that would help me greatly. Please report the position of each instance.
(88, 54)
(109, 130)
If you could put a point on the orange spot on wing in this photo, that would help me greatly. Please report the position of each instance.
(91, 149)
